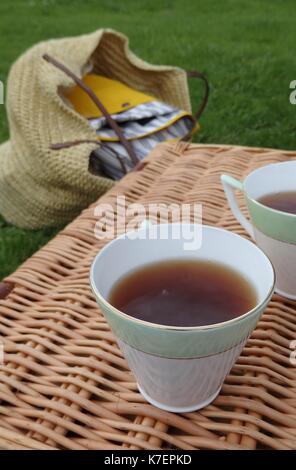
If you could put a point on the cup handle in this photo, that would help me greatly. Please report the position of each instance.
(231, 184)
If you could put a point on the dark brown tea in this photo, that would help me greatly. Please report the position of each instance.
(284, 201)
(184, 293)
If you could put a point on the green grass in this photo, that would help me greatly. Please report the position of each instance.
(245, 46)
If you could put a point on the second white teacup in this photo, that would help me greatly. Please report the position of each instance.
(273, 230)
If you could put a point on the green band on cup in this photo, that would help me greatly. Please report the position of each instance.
(172, 343)
(275, 224)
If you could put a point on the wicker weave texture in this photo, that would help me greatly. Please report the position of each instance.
(64, 383)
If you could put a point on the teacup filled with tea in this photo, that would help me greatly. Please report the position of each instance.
(181, 317)
(270, 194)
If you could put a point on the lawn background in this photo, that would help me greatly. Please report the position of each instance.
(246, 47)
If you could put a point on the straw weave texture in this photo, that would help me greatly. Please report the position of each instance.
(65, 383)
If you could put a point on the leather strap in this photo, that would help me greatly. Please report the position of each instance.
(201, 76)
(113, 124)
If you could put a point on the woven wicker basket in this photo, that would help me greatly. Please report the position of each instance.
(65, 384)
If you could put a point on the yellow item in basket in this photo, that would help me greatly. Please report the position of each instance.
(142, 119)
(114, 95)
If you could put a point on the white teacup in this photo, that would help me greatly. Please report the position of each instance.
(273, 230)
(180, 369)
